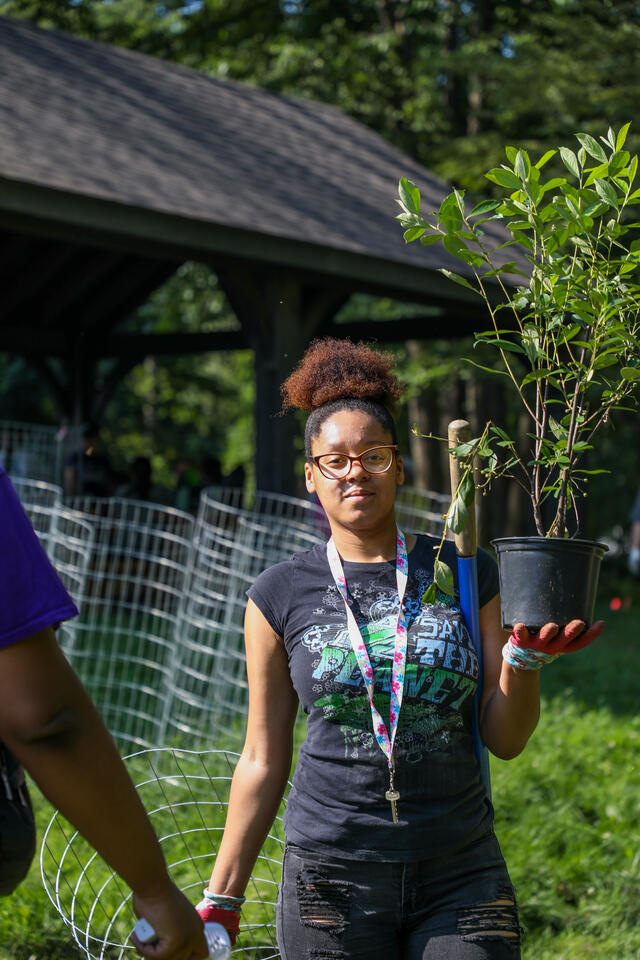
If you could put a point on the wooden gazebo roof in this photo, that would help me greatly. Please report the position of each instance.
(116, 167)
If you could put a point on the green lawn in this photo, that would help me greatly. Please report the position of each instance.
(567, 814)
(568, 809)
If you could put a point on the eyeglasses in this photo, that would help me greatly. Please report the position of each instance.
(336, 466)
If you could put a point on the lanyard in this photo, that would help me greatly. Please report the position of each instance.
(384, 737)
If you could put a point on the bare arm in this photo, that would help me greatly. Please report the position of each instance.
(49, 722)
(261, 774)
(510, 705)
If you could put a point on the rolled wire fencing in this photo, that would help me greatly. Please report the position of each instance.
(67, 538)
(124, 638)
(159, 641)
(231, 546)
(36, 451)
(186, 794)
(421, 511)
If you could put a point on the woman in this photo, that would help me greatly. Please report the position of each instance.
(390, 845)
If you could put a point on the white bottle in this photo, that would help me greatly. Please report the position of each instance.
(218, 941)
(215, 934)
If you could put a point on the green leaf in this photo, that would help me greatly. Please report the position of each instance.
(622, 136)
(409, 195)
(449, 213)
(600, 171)
(545, 158)
(487, 206)
(413, 233)
(606, 191)
(457, 279)
(501, 433)
(463, 449)
(460, 250)
(592, 147)
(618, 162)
(535, 375)
(429, 596)
(553, 183)
(512, 153)
(510, 267)
(504, 178)
(522, 165)
(595, 209)
(430, 238)
(457, 516)
(443, 577)
(467, 489)
(459, 195)
(530, 343)
(570, 161)
(630, 373)
(558, 431)
(506, 345)
(491, 370)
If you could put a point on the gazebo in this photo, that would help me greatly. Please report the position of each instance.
(115, 168)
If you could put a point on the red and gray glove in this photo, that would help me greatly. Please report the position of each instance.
(217, 908)
(528, 651)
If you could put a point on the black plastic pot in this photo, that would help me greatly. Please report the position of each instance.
(547, 579)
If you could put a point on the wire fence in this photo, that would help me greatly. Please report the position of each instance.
(231, 547)
(34, 451)
(159, 641)
(186, 794)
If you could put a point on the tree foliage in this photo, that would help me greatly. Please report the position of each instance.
(448, 82)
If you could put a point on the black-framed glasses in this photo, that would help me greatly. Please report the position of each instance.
(337, 466)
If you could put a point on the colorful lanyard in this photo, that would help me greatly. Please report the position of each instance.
(384, 737)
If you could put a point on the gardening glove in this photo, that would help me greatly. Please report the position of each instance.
(216, 908)
(528, 651)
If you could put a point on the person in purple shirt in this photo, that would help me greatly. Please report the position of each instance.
(51, 725)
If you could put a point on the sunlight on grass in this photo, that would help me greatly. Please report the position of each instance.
(567, 815)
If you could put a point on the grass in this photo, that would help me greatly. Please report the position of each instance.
(567, 815)
(568, 809)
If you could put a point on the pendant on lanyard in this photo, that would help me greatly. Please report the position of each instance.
(385, 738)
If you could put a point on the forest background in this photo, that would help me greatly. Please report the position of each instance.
(448, 82)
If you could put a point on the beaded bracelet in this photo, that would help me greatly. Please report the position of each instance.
(524, 658)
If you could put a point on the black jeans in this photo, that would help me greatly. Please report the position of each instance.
(459, 907)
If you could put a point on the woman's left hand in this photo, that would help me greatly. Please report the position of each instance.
(527, 651)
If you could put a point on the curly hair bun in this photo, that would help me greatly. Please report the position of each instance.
(332, 370)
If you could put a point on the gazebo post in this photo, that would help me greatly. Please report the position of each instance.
(280, 316)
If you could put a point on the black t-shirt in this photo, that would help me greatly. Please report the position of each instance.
(337, 801)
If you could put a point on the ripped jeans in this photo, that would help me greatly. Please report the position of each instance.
(458, 907)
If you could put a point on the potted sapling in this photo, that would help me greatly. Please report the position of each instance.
(563, 297)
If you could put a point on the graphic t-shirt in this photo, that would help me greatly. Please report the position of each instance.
(337, 802)
(32, 596)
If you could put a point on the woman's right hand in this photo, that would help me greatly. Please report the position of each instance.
(530, 651)
(225, 911)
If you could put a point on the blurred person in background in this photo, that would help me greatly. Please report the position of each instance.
(88, 470)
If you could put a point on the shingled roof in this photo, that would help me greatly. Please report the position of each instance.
(97, 138)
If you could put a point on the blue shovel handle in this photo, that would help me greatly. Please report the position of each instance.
(466, 550)
(470, 607)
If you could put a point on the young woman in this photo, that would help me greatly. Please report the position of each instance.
(390, 848)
